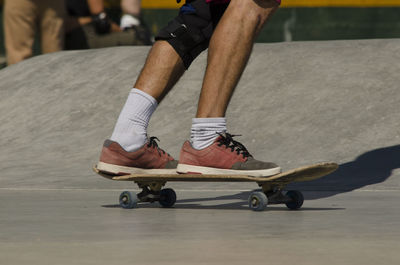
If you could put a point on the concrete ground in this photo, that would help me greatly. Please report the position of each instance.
(205, 227)
(297, 104)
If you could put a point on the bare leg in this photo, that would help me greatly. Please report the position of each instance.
(162, 70)
(229, 51)
(19, 30)
(96, 6)
(131, 7)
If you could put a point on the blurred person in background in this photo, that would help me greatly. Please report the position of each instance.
(89, 25)
(23, 19)
(132, 21)
(91, 12)
(131, 14)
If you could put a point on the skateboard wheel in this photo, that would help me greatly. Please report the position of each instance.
(258, 201)
(167, 198)
(128, 200)
(297, 199)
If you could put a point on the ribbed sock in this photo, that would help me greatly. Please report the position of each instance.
(205, 131)
(131, 128)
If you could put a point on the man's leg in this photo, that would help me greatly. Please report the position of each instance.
(129, 150)
(212, 150)
(131, 14)
(162, 70)
(229, 51)
(131, 7)
(19, 29)
(132, 20)
(52, 16)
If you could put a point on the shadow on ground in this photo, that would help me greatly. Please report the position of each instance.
(370, 168)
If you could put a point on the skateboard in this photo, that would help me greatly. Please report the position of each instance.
(272, 187)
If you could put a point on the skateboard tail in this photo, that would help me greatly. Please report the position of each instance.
(315, 173)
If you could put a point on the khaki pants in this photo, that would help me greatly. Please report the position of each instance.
(24, 18)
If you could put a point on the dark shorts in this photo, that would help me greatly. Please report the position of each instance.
(200, 20)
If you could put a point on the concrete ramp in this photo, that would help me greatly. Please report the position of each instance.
(297, 103)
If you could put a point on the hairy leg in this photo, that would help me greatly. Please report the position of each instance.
(131, 7)
(229, 51)
(162, 70)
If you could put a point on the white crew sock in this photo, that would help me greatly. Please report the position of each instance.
(128, 21)
(205, 131)
(131, 128)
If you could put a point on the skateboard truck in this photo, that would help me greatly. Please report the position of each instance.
(258, 200)
(151, 192)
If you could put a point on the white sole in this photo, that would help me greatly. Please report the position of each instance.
(187, 169)
(121, 170)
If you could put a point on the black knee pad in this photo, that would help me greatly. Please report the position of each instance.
(190, 32)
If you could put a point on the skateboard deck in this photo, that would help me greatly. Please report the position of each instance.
(272, 186)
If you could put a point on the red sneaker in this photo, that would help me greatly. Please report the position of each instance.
(224, 156)
(150, 159)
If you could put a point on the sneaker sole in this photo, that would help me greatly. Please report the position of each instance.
(189, 169)
(121, 170)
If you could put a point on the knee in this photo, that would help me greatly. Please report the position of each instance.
(255, 12)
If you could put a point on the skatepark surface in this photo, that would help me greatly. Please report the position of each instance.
(297, 104)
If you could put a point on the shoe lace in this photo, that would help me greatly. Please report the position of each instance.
(153, 143)
(226, 139)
